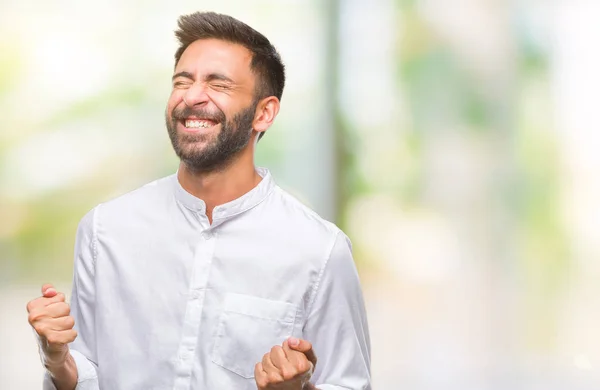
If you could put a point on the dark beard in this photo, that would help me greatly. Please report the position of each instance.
(219, 153)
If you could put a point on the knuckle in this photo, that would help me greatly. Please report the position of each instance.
(303, 366)
(72, 336)
(60, 297)
(40, 328)
(52, 338)
(34, 317)
(262, 381)
(63, 308)
(273, 377)
(69, 322)
(287, 374)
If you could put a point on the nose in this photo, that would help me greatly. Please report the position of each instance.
(195, 95)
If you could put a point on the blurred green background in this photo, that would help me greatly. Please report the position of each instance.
(454, 141)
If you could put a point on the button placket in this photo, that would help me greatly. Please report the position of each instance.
(195, 304)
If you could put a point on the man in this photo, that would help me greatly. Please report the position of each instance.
(212, 278)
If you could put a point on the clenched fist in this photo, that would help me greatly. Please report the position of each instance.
(50, 316)
(286, 367)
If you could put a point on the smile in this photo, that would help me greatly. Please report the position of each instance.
(198, 123)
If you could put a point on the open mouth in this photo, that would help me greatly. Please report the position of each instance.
(192, 123)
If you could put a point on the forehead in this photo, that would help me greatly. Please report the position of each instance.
(206, 56)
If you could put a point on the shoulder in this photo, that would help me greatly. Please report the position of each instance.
(300, 213)
(141, 200)
(148, 192)
(302, 221)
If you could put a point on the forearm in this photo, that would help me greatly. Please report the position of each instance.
(64, 376)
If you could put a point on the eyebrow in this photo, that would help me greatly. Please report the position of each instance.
(187, 75)
(210, 77)
(219, 77)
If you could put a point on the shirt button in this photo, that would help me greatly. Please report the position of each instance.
(207, 235)
(196, 294)
(185, 355)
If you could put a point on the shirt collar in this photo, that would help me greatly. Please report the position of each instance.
(229, 209)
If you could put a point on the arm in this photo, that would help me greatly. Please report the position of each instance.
(49, 316)
(64, 375)
(337, 325)
(81, 355)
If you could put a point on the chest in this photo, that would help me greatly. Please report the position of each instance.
(211, 290)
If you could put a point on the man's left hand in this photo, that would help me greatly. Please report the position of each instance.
(286, 367)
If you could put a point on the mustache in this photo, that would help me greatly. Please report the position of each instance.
(215, 116)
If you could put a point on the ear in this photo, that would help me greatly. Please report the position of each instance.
(266, 111)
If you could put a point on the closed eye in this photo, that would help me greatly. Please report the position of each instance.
(181, 84)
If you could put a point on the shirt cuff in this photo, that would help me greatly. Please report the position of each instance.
(87, 377)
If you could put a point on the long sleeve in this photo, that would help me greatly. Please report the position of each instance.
(337, 325)
(83, 349)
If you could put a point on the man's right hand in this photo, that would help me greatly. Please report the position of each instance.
(50, 316)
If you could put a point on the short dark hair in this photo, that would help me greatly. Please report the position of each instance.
(266, 61)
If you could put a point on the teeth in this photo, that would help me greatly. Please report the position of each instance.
(196, 124)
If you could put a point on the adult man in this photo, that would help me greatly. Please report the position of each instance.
(213, 278)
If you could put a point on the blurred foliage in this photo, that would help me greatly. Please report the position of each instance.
(442, 94)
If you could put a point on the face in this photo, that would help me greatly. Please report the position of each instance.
(212, 107)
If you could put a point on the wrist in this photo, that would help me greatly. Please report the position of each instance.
(57, 360)
(64, 375)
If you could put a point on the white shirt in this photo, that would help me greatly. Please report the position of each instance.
(164, 300)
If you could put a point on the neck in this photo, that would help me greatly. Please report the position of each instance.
(224, 185)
